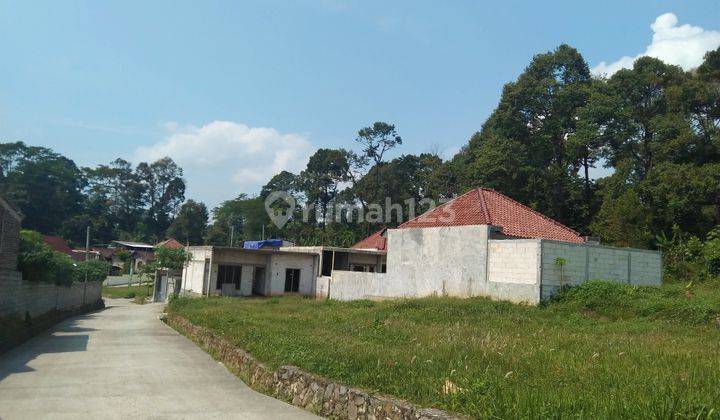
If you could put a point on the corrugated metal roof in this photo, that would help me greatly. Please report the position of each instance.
(134, 244)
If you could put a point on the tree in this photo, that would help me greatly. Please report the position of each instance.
(190, 224)
(525, 149)
(326, 170)
(246, 214)
(408, 177)
(46, 186)
(164, 193)
(284, 181)
(114, 202)
(120, 186)
(378, 139)
(639, 123)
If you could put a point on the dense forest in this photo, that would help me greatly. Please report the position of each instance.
(655, 126)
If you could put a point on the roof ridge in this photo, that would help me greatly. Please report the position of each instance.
(483, 205)
(553, 221)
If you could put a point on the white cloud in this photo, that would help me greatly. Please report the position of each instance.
(683, 45)
(222, 159)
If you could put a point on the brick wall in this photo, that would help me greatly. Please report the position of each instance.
(18, 296)
(9, 239)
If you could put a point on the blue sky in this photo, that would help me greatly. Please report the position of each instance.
(236, 91)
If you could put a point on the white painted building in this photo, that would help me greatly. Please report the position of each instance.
(232, 271)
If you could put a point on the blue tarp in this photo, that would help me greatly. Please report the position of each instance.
(268, 243)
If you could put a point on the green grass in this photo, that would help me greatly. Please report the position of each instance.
(597, 351)
(138, 293)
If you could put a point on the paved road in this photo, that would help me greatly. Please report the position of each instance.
(122, 362)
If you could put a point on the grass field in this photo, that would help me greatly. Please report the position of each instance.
(138, 293)
(598, 351)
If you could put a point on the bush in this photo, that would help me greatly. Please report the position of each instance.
(711, 252)
(96, 270)
(690, 258)
(38, 262)
(617, 301)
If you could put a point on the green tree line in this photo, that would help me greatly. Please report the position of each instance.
(653, 127)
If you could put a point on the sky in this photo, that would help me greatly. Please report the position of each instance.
(236, 91)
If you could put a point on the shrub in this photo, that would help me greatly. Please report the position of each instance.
(711, 252)
(622, 301)
(690, 258)
(38, 262)
(96, 270)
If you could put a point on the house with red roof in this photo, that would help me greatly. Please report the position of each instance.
(484, 243)
(171, 243)
(57, 244)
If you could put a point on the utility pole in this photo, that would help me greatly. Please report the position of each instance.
(87, 255)
(232, 234)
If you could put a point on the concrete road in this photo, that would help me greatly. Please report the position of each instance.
(122, 362)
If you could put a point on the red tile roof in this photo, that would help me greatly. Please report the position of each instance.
(484, 206)
(170, 243)
(58, 244)
(374, 241)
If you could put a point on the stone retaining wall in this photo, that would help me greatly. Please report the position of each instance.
(303, 389)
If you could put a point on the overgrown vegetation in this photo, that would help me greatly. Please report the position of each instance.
(38, 262)
(600, 350)
(687, 257)
(127, 292)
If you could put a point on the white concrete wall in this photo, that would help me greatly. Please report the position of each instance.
(281, 262)
(322, 286)
(192, 276)
(349, 285)
(442, 260)
(445, 261)
(514, 270)
(597, 262)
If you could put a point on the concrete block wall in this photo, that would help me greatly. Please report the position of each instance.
(19, 296)
(513, 270)
(597, 262)
(572, 272)
(608, 264)
(646, 268)
(513, 261)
